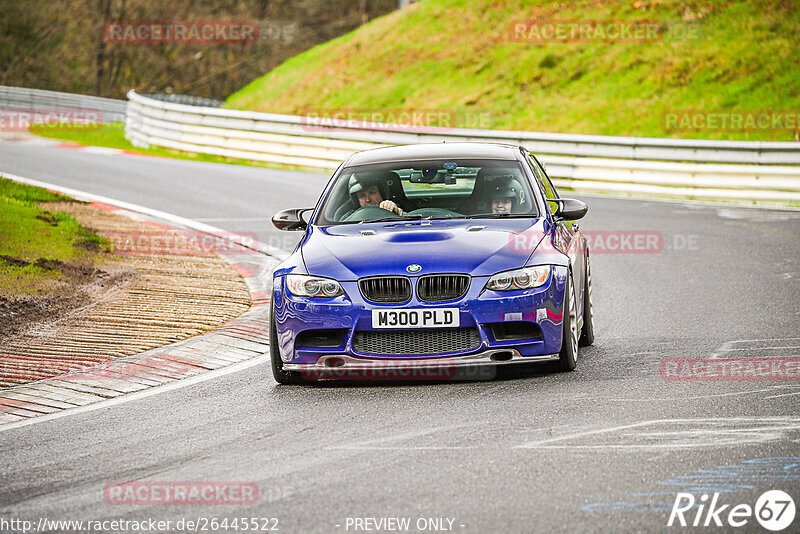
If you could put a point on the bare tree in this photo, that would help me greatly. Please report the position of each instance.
(103, 63)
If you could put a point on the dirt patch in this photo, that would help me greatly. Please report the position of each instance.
(78, 285)
(20, 314)
(89, 246)
(16, 262)
(81, 271)
(48, 217)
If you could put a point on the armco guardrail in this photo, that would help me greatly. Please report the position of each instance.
(20, 98)
(764, 171)
(189, 100)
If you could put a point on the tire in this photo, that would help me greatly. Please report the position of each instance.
(587, 332)
(281, 377)
(568, 357)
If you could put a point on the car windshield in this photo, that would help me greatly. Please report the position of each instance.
(435, 189)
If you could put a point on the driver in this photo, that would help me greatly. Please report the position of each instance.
(370, 191)
(505, 197)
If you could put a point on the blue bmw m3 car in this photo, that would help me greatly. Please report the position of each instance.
(430, 257)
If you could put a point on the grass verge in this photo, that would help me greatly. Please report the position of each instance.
(38, 248)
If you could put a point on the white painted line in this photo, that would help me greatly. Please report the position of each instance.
(376, 444)
(535, 444)
(20, 137)
(761, 340)
(772, 428)
(155, 390)
(786, 394)
(763, 348)
(410, 448)
(102, 150)
(729, 346)
(175, 219)
(723, 348)
(711, 396)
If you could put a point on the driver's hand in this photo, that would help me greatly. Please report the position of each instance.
(391, 206)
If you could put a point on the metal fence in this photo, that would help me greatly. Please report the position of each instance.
(765, 171)
(20, 98)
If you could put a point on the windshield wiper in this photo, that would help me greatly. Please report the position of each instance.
(497, 215)
(399, 218)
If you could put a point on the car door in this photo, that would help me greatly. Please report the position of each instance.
(566, 237)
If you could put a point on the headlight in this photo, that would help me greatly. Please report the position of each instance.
(524, 278)
(313, 286)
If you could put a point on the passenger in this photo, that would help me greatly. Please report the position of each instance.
(505, 198)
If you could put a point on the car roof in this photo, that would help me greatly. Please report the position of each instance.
(434, 151)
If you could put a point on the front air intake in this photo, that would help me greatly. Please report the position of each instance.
(516, 330)
(442, 287)
(386, 289)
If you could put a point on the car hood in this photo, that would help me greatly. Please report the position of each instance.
(473, 246)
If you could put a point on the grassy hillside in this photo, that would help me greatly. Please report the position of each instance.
(711, 56)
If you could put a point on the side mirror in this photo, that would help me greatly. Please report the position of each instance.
(291, 219)
(569, 209)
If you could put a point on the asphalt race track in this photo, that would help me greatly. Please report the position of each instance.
(603, 449)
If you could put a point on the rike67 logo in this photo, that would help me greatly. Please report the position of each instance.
(774, 510)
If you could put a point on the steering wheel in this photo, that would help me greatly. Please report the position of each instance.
(365, 213)
(435, 212)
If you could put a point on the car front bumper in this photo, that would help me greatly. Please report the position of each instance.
(480, 309)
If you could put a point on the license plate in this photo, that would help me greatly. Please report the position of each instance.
(415, 318)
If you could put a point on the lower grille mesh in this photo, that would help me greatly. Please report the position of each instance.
(413, 342)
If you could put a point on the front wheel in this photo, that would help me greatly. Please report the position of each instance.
(568, 357)
(281, 376)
